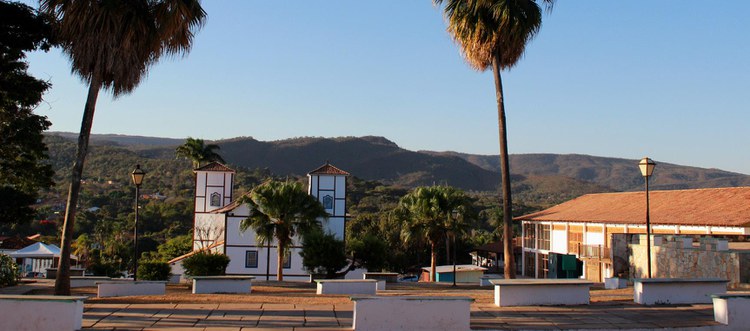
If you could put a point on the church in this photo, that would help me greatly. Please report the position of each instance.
(217, 218)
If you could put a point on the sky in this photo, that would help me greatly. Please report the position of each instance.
(666, 79)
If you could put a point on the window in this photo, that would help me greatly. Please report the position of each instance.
(543, 237)
(327, 202)
(215, 199)
(529, 264)
(543, 263)
(287, 260)
(575, 239)
(251, 259)
(529, 235)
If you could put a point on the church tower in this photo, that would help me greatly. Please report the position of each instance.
(328, 184)
(213, 190)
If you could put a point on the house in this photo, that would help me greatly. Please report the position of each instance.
(218, 215)
(38, 257)
(585, 227)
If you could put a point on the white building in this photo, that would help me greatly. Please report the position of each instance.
(218, 215)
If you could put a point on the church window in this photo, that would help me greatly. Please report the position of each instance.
(251, 259)
(328, 202)
(287, 260)
(215, 199)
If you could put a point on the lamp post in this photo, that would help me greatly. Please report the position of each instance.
(454, 217)
(137, 177)
(647, 168)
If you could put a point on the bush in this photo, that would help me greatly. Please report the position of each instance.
(205, 264)
(103, 268)
(322, 253)
(154, 270)
(9, 271)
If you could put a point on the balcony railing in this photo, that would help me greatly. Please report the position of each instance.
(592, 251)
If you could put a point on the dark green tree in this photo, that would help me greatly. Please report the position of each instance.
(493, 34)
(24, 170)
(111, 45)
(322, 253)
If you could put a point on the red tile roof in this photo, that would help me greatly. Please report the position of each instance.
(701, 207)
(328, 169)
(214, 166)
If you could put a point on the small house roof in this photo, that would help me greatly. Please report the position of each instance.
(214, 166)
(699, 207)
(328, 169)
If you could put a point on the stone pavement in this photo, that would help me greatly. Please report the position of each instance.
(339, 317)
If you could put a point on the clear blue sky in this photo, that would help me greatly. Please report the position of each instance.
(666, 79)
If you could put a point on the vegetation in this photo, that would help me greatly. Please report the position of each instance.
(10, 273)
(154, 270)
(426, 213)
(197, 151)
(493, 34)
(24, 169)
(205, 264)
(323, 254)
(281, 210)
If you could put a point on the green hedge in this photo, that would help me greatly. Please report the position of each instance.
(154, 270)
(205, 264)
(9, 271)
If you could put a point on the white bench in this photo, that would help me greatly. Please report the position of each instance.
(534, 292)
(85, 281)
(119, 288)
(388, 277)
(613, 283)
(347, 286)
(411, 313)
(222, 284)
(666, 291)
(732, 310)
(41, 312)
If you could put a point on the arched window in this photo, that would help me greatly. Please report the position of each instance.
(327, 202)
(215, 199)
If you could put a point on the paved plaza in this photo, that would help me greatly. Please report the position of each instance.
(296, 307)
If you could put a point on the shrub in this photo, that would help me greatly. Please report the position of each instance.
(205, 264)
(154, 270)
(9, 271)
(103, 268)
(322, 253)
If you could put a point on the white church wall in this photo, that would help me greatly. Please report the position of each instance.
(340, 187)
(325, 182)
(336, 226)
(238, 261)
(209, 228)
(237, 237)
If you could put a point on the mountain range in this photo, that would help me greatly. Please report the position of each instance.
(547, 178)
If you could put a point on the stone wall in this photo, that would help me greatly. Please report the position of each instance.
(676, 257)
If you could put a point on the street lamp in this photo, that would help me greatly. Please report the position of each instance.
(647, 168)
(137, 177)
(454, 217)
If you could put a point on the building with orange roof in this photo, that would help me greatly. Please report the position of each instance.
(585, 226)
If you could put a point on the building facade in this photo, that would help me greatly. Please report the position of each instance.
(218, 216)
(585, 226)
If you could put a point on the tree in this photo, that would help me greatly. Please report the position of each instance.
(323, 253)
(197, 151)
(24, 169)
(493, 34)
(111, 45)
(284, 210)
(426, 215)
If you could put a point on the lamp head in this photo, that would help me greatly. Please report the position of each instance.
(647, 166)
(138, 175)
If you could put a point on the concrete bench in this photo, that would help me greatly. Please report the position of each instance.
(119, 288)
(411, 313)
(347, 286)
(41, 312)
(541, 292)
(388, 277)
(222, 284)
(85, 281)
(666, 291)
(732, 310)
(614, 283)
(486, 279)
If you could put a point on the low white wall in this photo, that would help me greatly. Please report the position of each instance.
(533, 292)
(222, 284)
(732, 310)
(41, 312)
(655, 291)
(86, 281)
(128, 288)
(411, 313)
(347, 286)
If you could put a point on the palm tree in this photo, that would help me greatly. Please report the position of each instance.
(197, 151)
(493, 34)
(111, 45)
(282, 210)
(426, 215)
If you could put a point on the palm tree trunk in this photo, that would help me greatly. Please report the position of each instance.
(280, 260)
(433, 262)
(62, 282)
(509, 269)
